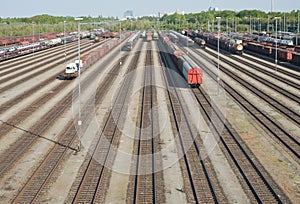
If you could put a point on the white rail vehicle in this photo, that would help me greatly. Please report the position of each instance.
(71, 71)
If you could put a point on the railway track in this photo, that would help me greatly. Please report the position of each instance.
(201, 184)
(43, 54)
(145, 181)
(27, 111)
(146, 184)
(271, 60)
(49, 64)
(289, 95)
(255, 178)
(89, 186)
(258, 184)
(265, 64)
(14, 152)
(278, 132)
(21, 67)
(290, 114)
(271, 72)
(43, 173)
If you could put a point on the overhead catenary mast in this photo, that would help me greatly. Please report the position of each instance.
(272, 6)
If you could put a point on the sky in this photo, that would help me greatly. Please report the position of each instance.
(28, 8)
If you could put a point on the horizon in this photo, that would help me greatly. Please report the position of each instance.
(116, 8)
(168, 13)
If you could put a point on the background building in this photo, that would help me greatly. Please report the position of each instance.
(128, 14)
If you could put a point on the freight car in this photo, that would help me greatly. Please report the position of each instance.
(189, 69)
(155, 35)
(25, 48)
(130, 43)
(96, 39)
(259, 48)
(233, 45)
(143, 35)
(67, 39)
(149, 36)
(296, 59)
(191, 72)
(54, 42)
(92, 36)
(114, 34)
(12, 52)
(184, 40)
(18, 39)
(200, 42)
(174, 38)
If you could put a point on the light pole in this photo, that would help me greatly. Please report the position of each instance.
(276, 44)
(227, 26)
(235, 24)
(208, 26)
(79, 100)
(250, 26)
(297, 30)
(268, 26)
(121, 42)
(218, 52)
(39, 31)
(187, 41)
(6, 25)
(65, 42)
(33, 37)
(284, 22)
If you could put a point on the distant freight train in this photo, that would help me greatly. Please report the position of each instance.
(232, 45)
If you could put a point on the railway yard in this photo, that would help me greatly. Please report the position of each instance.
(135, 126)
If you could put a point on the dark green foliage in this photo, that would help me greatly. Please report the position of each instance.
(204, 20)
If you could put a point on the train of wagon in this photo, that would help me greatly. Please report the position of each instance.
(131, 42)
(184, 40)
(230, 44)
(26, 48)
(191, 72)
(268, 44)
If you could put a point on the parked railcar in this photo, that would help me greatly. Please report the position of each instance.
(12, 52)
(191, 72)
(55, 42)
(143, 35)
(114, 34)
(189, 69)
(200, 42)
(233, 45)
(296, 59)
(149, 36)
(184, 40)
(130, 43)
(155, 35)
(96, 39)
(173, 38)
(67, 39)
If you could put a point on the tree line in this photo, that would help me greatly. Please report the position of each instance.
(240, 21)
